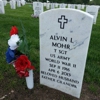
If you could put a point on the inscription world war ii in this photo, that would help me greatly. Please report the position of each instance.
(60, 74)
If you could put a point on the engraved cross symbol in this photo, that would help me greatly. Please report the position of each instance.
(62, 21)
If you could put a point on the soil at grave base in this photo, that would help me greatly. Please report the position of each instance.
(41, 92)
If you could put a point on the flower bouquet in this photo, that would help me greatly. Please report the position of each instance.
(17, 55)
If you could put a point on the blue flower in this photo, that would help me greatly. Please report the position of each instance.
(10, 55)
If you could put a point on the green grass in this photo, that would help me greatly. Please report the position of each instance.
(93, 88)
(13, 17)
(92, 73)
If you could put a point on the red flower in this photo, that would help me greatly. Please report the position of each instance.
(22, 65)
(13, 30)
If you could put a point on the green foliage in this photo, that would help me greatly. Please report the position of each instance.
(24, 45)
(95, 2)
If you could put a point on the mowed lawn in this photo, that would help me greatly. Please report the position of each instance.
(31, 25)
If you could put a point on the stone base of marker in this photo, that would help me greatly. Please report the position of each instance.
(34, 16)
(29, 79)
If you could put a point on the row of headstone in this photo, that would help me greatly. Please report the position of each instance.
(64, 42)
(12, 4)
(62, 5)
(38, 8)
(19, 3)
(2, 10)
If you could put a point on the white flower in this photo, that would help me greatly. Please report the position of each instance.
(12, 42)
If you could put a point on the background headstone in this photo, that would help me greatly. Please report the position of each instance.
(18, 3)
(48, 5)
(93, 10)
(23, 2)
(52, 6)
(5, 2)
(62, 5)
(13, 4)
(38, 8)
(69, 5)
(56, 5)
(72, 6)
(64, 41)
(44, 4)
(2, 10)
(83, 6)
(79, 6)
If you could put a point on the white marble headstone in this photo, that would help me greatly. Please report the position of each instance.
(93, 10)
(38, 8)
(62, 5)
(44, 4)
(56, 5)
(52, 6)
(2, 10)
(72, 6)
(13, 4)
(5, 2)
(79, 6)
(23, 2)
(64, 41)
(83, 6)
(69, 5)
(48, 5)
(18, 3)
